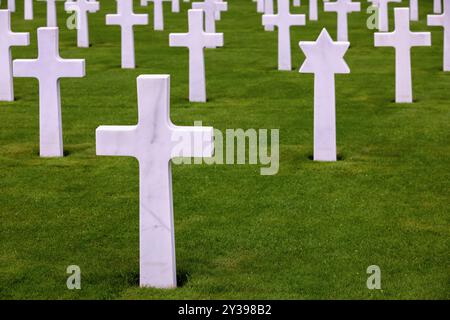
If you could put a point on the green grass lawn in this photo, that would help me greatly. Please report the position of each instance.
(309, 232)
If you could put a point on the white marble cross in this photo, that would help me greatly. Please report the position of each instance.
(383, 13)
(297, 3)
(402, 39)
(260, 6)
(324, 58)
(28, 10)
(342, 8)
(52, 20)
(175, 5)
(49, 68)
(414, 10)
(7, 40)
(196, 40)
(268, 9)
(437, 6)
(158, 13)
(152, 142)
(82, 8)
(12, 5)
(444, 21)
(284, 20)
(218, 14)
(127, 19)
(210, 7)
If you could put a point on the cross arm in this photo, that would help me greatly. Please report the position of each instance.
(384, 39)
(435, 20)
(421, 39)
(269, 20)
(23, 68)
(178, 40)
(20, 39)
(112, 19)
(116, 141)
(222, 6)
(71, 68)
(213, 39)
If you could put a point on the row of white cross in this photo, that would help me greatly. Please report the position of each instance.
(153, 140)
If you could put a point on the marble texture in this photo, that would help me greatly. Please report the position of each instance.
(414, 10)
(196, 40)
(342, 8)
(437, 6)
(127, 19)
(48, 69)
(82, 8)
(284, 20)
(402, 39)
(158, 13)
(443, 20)
(210, 7)
(8, 39)
(28, 9)
(52, 20)
(152, 142)
(324, 58)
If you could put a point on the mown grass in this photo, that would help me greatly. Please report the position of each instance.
(309, 232)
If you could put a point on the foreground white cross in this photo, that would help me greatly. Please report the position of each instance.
(196, 40)
(268, 9)
(7, 40)
(342, 8)
(12, 5)
(383, 13)
(49, 68)
(52, 20)
(28, 10)
(444, 21)
(324, 58)
(82, 8)
(402, 39)
(284, 20)
(126, 19)
(210, 7)
(158, 13)
(437, 6)
(153, 142)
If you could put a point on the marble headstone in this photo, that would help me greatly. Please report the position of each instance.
(7, 40)
(52, 20)
(284, 20)
(127, 19)
(158, 13)
(268, 9)
(48, 69)
(196, 40)
(383, 13)
(443, 20)
(28, 10)
(402, 39)
(210, 7)
(12, 5)
(437, 6)
(82, 8)
(324, 58)
(342, 8)
(414, 10)
(152, 142)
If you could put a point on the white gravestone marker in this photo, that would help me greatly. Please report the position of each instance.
(12, 5)
(260, 6)
(444, 21)
(49, 68)
(383, 13)
(402, 39)
(297, 3)
(210, 7)
(7, 40)
(52, 20)
(82, 8)
(324, 58)
(414, 10)
(437, 6)
(158, 13)
(196, 40)
(284, 20)
(268, 9)
(313, 11)
(175, 5)
(218, 15)
(342, 8)
(28, 10)
(127, 19)
(152, 142)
